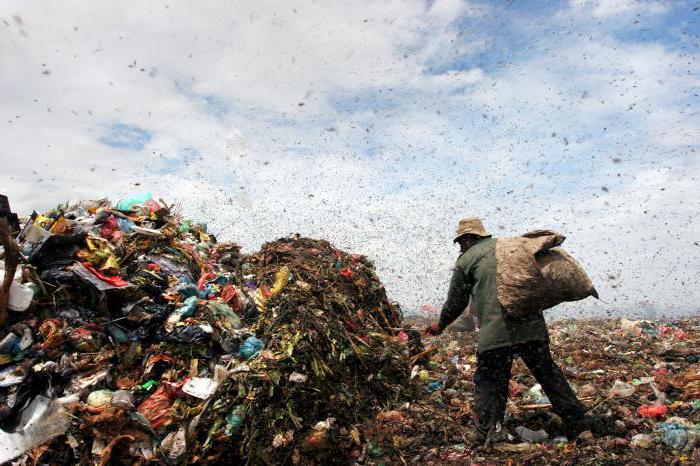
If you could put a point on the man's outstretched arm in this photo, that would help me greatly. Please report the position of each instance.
(457, 299)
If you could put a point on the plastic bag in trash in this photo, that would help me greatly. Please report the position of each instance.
(250, 348)
(677, 434)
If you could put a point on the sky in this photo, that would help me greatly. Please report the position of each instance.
(376, 125)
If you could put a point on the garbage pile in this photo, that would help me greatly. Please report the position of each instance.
(143, 340)
(640, 379)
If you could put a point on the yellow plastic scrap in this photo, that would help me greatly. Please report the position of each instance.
(60, 226)
(90, 242)
(355, 434)
(101, 255)
(281, 280)
(43, 222)
(203, 237)
(110, 263)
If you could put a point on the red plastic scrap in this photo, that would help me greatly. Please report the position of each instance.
(156, 408)
(675, 332)
(346, 272)
(112, 280)
(229, 295)
(152, 205)
(109, 227)
(153, 267)
(204, 279)
(402, 336)
(652, 410)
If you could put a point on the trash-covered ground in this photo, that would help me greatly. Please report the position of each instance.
(133, 337)
(144, 341)
(642, 378)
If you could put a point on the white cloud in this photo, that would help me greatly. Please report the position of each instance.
(337, 120)
(449, 10)
(612, 8)
(452, 79)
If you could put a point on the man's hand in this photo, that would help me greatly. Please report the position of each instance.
(433, 329)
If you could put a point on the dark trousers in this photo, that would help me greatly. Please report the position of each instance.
(493, 373)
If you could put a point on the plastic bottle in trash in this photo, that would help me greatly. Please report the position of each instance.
(21, 294)
(21, 297)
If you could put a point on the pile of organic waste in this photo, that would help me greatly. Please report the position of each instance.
(133, 337)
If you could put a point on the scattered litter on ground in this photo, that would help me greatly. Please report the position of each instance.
(640, 380)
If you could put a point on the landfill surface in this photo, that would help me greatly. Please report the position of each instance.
(134, 337)
(641, 378)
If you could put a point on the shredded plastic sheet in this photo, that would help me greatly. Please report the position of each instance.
(42, 420)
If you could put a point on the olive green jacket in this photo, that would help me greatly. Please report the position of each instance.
(475, 275)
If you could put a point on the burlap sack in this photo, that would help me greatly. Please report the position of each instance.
(533, 274)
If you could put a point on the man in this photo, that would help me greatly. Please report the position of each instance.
(502, 338)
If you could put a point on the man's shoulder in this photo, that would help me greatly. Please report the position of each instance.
(477, 251)
(483, 247)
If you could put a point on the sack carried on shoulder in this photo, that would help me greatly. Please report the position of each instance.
(533, 274)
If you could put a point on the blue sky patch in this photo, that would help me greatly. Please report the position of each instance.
(186, 157)
(123, 136)
(215, 105)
